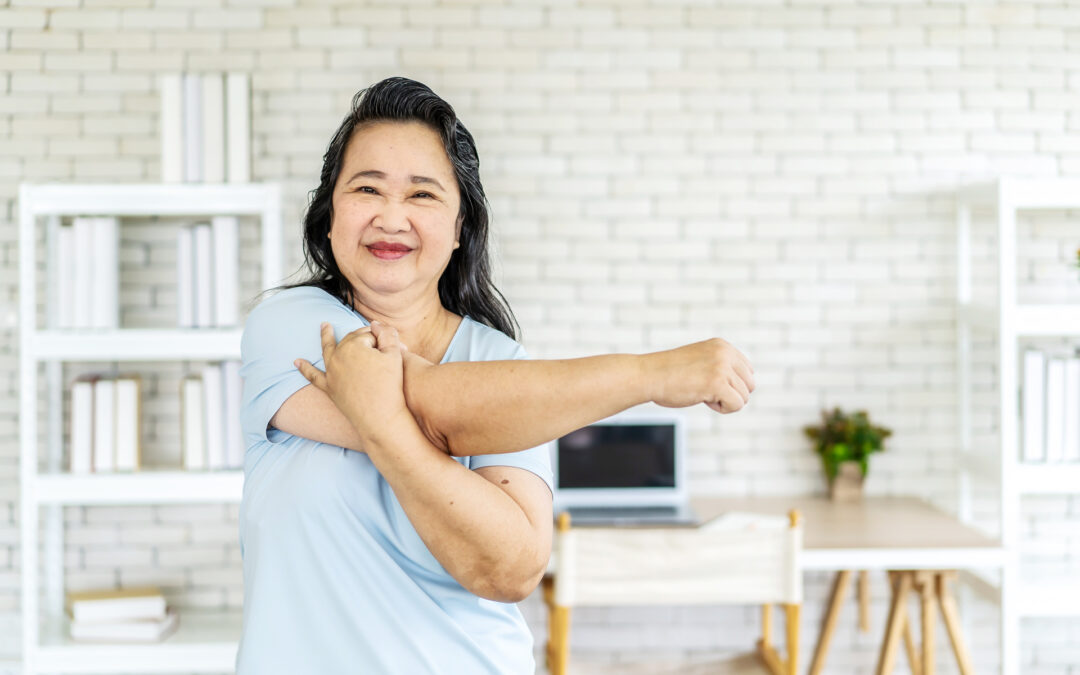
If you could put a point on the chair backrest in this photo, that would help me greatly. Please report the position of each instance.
(735, 559)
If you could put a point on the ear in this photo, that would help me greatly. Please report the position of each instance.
(457, 231)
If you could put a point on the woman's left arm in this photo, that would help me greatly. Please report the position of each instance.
(490, 528)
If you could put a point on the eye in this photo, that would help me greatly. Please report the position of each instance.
(424, 194)
(367, 189)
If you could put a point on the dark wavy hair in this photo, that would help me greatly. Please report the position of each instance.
(466, 286)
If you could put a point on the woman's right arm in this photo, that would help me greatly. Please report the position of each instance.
(483, 407)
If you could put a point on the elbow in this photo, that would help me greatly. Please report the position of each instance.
(417, 402)
(510, 583)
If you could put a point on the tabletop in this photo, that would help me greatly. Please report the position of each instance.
(875, 533)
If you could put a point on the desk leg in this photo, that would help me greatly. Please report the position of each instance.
(952, 625)
(909, 641)
(925, 583)
(895, 625)
(839, 590)
(558, 646)
(864, 601)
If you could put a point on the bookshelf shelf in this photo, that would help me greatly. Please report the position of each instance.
(141, 487)
(1010, 321)
(137, 344)
(205, 641)
(1048, 598)
(1048, 479)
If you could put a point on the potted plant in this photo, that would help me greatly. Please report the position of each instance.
(845, 442)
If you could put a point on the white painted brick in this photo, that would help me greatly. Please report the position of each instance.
(24, 18)
(227, 18)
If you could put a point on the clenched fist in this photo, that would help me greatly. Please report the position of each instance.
(712, 372)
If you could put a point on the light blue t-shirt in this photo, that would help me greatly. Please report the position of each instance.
(336, 579)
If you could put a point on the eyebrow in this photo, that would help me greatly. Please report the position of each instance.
(372, 173)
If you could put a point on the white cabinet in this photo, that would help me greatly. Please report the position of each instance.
(206, 641)
(1003, 317)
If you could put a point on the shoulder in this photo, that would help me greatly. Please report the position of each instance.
(488, 344)
(300, 303)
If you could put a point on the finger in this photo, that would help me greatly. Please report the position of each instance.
(326, 333)
(740, 387)
(744, 371)
(386, 338)
(311, 373)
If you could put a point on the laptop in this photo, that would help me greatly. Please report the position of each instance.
(628, 469)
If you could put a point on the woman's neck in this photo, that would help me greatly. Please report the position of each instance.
(426, 328)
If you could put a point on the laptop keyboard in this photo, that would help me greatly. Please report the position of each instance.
(617, 512)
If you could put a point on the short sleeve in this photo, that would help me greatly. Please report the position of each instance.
(537, 460)
(279, 330)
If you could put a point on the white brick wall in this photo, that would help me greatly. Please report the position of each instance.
(773, 173)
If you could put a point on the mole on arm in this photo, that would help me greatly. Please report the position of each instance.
(505, 481)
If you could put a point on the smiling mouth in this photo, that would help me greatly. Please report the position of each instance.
(389, 253)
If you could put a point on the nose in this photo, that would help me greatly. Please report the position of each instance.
(392, 217)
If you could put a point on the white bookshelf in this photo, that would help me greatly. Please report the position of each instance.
(206, 640)
(1011, 321)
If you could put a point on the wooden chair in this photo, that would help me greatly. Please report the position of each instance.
(735, 559)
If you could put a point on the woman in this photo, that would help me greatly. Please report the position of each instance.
(397, 505)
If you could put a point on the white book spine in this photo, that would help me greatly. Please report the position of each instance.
(192, 128)
(238, 129)
(104, 425)
(1055, 410)
(234, 436)
(81, 434)
(1072, 409)
(172, 128)
(204, 276)
(213, 127)
(226, 245)
(191, 414)
(185, 277)
(84, 241)
(1034, 398)
(213, 417)
(65, 274)
(128, 425)
(105, 273)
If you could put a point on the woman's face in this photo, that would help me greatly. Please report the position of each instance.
(395, 208)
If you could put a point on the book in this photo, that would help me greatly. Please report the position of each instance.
(172, 128)
(83, 300)
(185, 277)
(81, 432)
(213, 417)
(204, 276)
(128, 423)
(104, 425)
(234, 435)
(104, 273)
(238, 127)
(213, 128)
(193, 447)
(1055, 409)
(144, 630)
(192, 128)
(65, 277)
(1033, 402)
(226, 246)
(115, 604)
(1072, 409)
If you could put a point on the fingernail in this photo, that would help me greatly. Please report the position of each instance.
(323, 324)
(296, 363)
(374, 322)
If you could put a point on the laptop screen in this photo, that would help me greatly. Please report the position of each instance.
(618, 456)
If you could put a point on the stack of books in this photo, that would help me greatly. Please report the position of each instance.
(205, 128)
(210, 434)
(106, 432)
(207, 271)
(121, 615)
(1051, 407)
(86, 262)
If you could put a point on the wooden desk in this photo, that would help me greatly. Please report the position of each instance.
(894, 534)
(880, 533)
